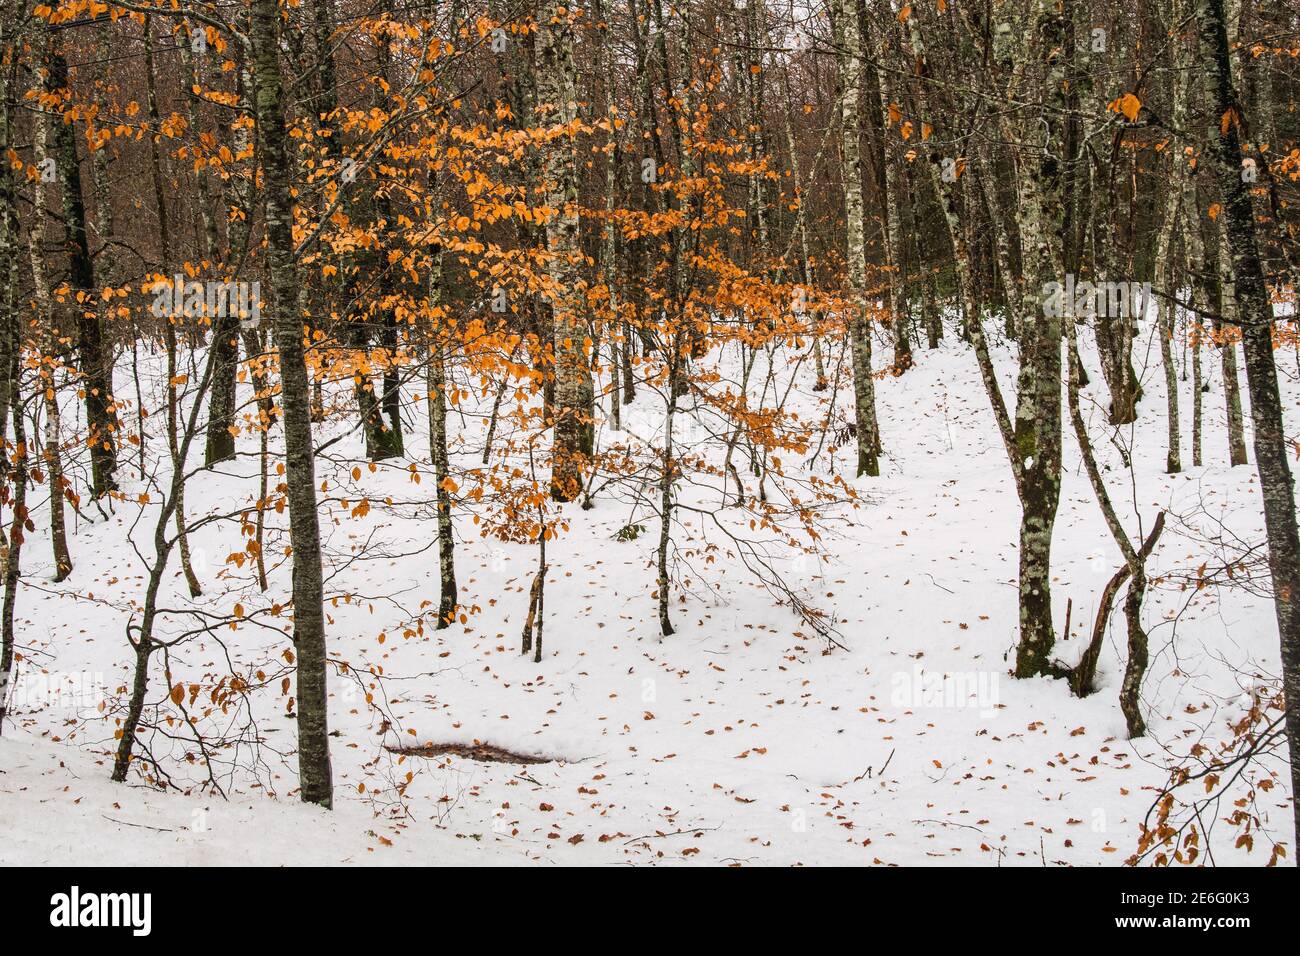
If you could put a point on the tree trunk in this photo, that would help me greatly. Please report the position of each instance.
(557, 97)
(1226, 339)
(1163, 272)
(300, 466)
(1135, 564)
(169, 322)
(12, 551)
(9, 245)
(437, 385)
(387, 437)
(1194, 246)
(859, 322)
(1038, 406)
(220, 439)
(892, 205)
(1255, 314)
(46, 383)
(93, 351)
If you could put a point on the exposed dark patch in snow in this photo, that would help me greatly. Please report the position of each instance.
(483, 753)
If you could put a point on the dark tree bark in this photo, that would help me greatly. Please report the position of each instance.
(220, 443)
(382, 410)
(93, 352)
(1255, 314)
(17, 469)
(8, 238)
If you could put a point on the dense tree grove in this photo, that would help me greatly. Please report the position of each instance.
(359, 224)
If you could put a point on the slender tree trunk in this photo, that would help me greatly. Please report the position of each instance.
(9, 246)
(1134, 558)
(47, 384)
(387, 436)
(1164, 271)
(807, 271)
(1033, 441)
(854, 38)
(12, 551)
(169, 323)
(1226, 339)
(220, 444)
(1003, 219)
(946, 190)
(57, 483)
(1200, 287)
(300, 465)
(437, 387)
(17, 467)
(94, 352)
(1255, 314)
(144, 644)
(9, 341)
(1038, 406)
(629, 377)
(609, 231)
(220, 439)
(557, 94)
(1173, 459)
(666, 481)
(534, 623)
(1194, 333)
(859, 322)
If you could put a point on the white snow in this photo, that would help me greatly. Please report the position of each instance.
(741, 739)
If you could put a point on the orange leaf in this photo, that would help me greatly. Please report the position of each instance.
(1129, 105)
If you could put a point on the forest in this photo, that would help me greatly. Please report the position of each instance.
(698, 432)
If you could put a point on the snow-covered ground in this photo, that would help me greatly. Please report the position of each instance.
(742, 739)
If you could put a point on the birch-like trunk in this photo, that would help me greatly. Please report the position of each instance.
(1163, 273)
(1226, 340)
(53, 456)
(436, 380)
(859, 322)
(1038, 405)
(557, 110)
